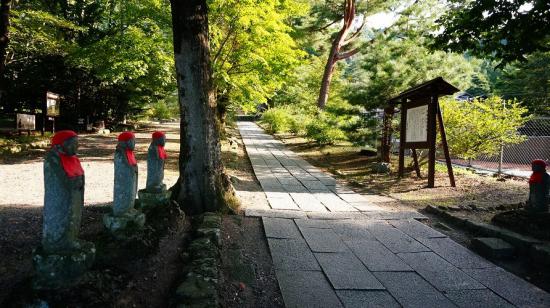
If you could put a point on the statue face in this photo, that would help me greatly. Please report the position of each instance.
(161, 141)
(537, 168)
(131, 144)
(70, 146)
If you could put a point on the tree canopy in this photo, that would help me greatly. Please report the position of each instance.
(496, 29)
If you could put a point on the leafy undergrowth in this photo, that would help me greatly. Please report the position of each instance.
(475, 195)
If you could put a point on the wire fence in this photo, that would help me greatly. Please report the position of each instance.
(516, 159)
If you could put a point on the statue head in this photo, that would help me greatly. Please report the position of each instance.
(127, 140)
(538, 165)
(66, 141)
(159, 138)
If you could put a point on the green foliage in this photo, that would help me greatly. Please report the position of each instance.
(325, 130)
(528, 82)
(278, 120)
(399, 59)
(501, 30)
(108, 59)
(253, 51)
(480, 127)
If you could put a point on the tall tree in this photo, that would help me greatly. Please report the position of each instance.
(501, 30)
(201, 185)
(4, 31)
(336, 53)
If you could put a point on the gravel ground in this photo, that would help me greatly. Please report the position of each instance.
(22, 183)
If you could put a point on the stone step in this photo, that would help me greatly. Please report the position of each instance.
(493, 247)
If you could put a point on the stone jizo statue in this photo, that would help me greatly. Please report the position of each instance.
(124, 215)
(155, 192)
(62, 258)
(126, 174)
(539, 187)
(155, 164)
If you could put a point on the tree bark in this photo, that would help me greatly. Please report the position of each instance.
(336, 54)
(4, 31)
(200, 187)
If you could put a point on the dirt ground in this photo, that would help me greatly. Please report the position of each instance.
(248, 277)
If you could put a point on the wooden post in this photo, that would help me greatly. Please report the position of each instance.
(416, 165)
(445, 145)
(402, 139)
(431, 139)
(385, 145)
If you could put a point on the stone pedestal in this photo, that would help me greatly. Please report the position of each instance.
(149, 200)
(54, 270)
(125, 224)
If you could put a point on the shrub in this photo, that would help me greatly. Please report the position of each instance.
(324, 131)
(299, 123)
(480, 127)
(277, 119)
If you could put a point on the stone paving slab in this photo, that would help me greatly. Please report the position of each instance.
(313, 223)
(336, 215)
(308, 203)
(280, 228)
(394, 239)
(283, 204)
(477, 299)
(292, 254)
(395, 215)
(351, 229)
(345, 271)
(334, 203)
(376, 256)
(416, 229)
(323, 240)
(366, 207)
(367, 299)
(440, 273)
(306, 289)
(455, 253)
(252, 212)
(412, 291)
(514, 289)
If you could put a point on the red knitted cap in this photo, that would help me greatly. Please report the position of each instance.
(126, 136)
(539, 162)
(61, 136)
(159, 134)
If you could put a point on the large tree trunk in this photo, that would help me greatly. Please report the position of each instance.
(335, 52)
(200, 187)
(4, 31)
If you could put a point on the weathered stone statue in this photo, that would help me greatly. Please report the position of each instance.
(155, 164)
(539, 187)
(62, 258)
(155, 192)
(124, 216)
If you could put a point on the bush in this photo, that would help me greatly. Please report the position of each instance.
(278, 120)
(299, 123)
(480, 127)
(325, 131)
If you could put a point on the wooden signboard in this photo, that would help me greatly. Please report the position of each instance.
(420, 115)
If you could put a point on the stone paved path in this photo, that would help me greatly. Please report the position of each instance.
(332, 247)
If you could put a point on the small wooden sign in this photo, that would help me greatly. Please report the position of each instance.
(52, 104)
(420, 115)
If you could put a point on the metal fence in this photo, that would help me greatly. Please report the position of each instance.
(516, 159)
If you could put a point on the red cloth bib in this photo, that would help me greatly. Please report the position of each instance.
(71, 165)
(537, 176)
(131, 157)
(162, 152)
